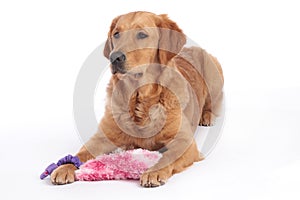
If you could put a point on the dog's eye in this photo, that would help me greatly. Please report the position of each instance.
(141, 35)
(116, 35)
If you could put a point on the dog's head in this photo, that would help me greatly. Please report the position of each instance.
(140, 38)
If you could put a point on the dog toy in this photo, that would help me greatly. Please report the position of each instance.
(118, 165)
(65, 160)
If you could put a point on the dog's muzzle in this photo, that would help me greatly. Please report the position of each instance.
(117, 60)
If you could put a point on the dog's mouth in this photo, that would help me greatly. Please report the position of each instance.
(137, 75)
(135, 72)
(118, 69)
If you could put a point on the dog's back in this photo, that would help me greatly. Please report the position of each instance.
(204, 73)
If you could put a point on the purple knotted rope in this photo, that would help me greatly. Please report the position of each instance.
(69, 159)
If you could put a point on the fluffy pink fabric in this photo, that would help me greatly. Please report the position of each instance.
(118, 165)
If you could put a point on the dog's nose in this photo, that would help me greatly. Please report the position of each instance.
(117, 57)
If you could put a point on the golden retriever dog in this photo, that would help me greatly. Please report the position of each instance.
(159, 92)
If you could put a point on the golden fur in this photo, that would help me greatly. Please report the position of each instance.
(200, 69)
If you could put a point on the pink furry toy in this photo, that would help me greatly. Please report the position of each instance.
(128, 164)
(118, 165)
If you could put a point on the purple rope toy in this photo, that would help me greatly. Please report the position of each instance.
(69, 159)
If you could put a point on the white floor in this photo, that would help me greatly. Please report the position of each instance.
(257, 157)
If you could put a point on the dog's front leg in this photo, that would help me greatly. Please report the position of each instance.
(180, 153)
(98, 144)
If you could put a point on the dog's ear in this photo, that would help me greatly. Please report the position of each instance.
(107, 48)
(108, 44)
(171, 39)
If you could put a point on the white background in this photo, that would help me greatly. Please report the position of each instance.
(44, 43)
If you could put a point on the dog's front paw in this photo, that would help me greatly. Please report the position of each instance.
(63, 174)
(207, 119)
(153, 178)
